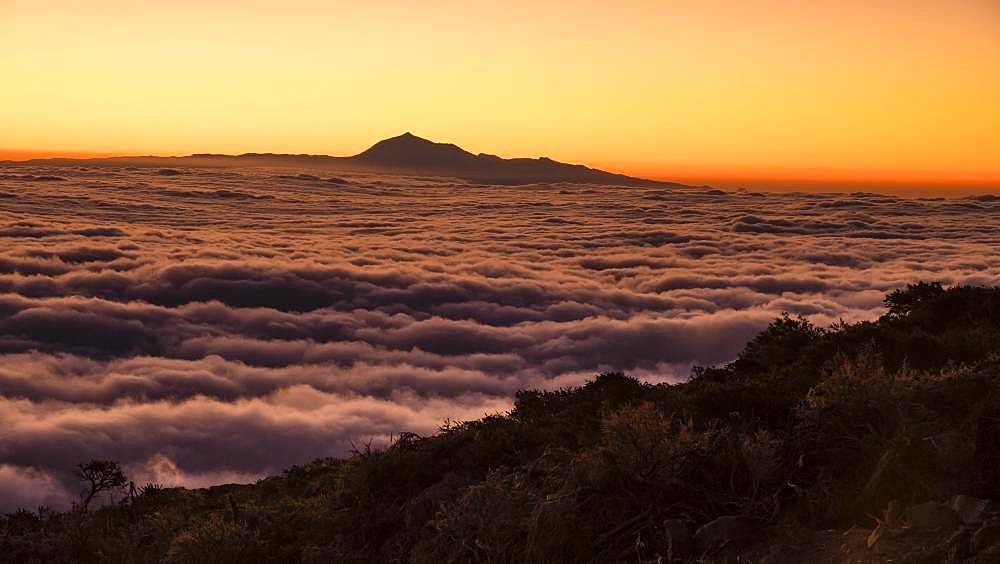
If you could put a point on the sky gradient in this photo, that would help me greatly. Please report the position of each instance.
(768, 91)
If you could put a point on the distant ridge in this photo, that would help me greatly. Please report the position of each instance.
(403, 154)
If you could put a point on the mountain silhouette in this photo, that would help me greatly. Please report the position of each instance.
(403, 154)
(409, 153)
(408, 150)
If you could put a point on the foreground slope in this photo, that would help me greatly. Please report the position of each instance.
(816, 445)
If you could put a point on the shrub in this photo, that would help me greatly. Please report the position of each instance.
(214, 540)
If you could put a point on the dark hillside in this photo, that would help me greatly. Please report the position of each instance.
(841, 444)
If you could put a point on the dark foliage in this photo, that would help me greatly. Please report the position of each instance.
(902, 302)
(807, 429)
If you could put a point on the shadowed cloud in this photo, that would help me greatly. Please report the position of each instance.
(219, 324)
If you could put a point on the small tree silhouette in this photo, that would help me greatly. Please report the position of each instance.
(100, 476)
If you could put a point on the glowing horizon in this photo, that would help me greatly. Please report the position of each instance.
(902, 92)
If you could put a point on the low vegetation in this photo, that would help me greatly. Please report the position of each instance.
(816, 444)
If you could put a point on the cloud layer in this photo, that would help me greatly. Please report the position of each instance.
(218, 325)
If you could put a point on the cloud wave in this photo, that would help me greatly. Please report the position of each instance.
(218, 325)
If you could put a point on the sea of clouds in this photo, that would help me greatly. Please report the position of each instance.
(218, 325)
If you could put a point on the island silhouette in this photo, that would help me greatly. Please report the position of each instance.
(403, 154)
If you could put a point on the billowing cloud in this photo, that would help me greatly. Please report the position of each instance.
(217, 325)
(30, 488)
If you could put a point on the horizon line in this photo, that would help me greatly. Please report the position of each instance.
(731, 176)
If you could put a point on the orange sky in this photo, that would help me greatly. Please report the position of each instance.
(877, 90)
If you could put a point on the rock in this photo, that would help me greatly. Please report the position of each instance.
(939, 548)
(986, 537)
(679, 537)
(725, 532)
(949, 446)
(931, 515)
(989, 556)
(969, 509)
